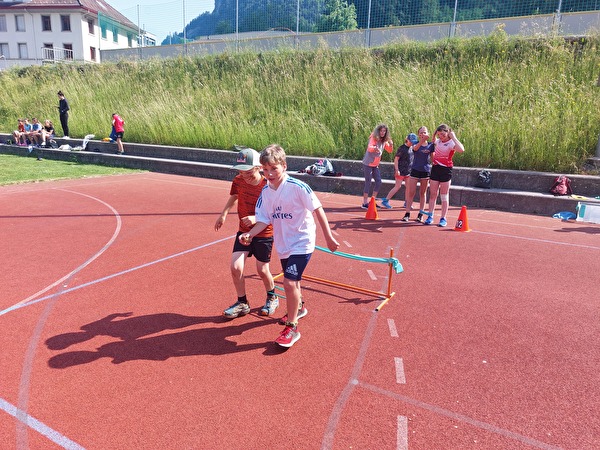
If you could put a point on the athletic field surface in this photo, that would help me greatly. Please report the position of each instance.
(113, 335)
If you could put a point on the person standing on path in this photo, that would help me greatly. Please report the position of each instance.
(63, 110)
(379, 141)
(119, 125)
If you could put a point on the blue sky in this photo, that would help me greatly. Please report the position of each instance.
(161, 18)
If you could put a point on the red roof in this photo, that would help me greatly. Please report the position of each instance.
(93, 6)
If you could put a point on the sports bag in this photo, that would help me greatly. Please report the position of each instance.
(484, 179)
(561, 186)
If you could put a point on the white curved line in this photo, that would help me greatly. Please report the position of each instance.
(90, 260)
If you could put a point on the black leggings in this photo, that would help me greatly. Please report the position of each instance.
(64, 122)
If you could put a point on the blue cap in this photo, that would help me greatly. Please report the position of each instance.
(412, 137)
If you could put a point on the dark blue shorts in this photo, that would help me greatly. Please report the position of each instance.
(294, 266)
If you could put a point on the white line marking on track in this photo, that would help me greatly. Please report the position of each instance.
(400, 377)
(348, 244)
(90, 260)
(371, 274)
(38, 426)
(402, 433)
(459, 417)
(392, 327)
(108, 277)
(545, 241)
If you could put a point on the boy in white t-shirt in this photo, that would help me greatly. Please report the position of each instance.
(289, 205)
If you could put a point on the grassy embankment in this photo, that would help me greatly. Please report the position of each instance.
(528, 104)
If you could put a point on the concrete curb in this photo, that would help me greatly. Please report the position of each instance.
(517, 191)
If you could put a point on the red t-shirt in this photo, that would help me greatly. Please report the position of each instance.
(247, 195)
(118, 122)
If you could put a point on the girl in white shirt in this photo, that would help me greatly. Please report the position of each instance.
(446, 144)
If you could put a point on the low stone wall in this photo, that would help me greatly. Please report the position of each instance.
(511, 190)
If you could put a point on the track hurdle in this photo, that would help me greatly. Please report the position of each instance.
(394, 266)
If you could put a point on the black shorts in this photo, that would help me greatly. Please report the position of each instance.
(260, 247)
(119, 134)
(419, 174)
(441, 173)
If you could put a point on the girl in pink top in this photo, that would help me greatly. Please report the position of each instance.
(379, 141)
(446, 144)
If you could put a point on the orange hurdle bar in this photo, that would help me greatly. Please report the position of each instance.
(387, 295)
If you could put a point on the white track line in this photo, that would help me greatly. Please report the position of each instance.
(392, 327)
(38, 426)
(90, 260)
(459, 417)
(108, 277)
(402, 433)
(400, 376)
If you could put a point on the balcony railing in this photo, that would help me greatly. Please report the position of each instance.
(56, 54)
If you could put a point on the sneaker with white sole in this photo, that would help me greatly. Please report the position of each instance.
(236, 310)
(301, 313)
(406, 217)
(429, 220)
(443, 222)
(270, 306)
(386, 203)
(288, 337)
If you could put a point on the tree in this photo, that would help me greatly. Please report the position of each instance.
(337, 16)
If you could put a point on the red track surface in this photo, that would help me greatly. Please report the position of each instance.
(113, 338)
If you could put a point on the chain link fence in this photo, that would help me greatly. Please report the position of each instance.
(262, 25)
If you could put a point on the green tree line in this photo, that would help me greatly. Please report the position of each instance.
(338, 15)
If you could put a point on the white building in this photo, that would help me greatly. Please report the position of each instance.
(34, 32)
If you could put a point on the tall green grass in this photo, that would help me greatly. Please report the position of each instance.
(516, 103)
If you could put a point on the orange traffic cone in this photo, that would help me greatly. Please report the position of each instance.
(372, 211)
(462, 224)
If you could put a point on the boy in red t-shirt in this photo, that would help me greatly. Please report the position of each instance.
(119, 124)
(245, 190)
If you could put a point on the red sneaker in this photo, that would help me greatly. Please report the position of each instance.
(288, 336)
(301, 313)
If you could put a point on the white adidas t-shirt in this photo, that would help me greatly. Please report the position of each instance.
(289, 209)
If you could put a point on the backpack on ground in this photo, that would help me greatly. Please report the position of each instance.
(321, 167)
(561, 186)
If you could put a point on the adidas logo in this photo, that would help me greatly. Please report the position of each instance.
(292, 270)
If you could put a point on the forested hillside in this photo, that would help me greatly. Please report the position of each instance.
(337, 15)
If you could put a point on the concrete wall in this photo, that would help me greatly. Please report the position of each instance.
(511, 190)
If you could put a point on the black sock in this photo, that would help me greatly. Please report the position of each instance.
(271, 293)
(243, 299)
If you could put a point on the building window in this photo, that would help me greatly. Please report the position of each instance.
(68, 51)
(115, 34)
(23, 51)
(4, 50)
(2, 22)
(103, 30)
(93, 53)
(65, 22)
(20, 22)
(46, 23)
(91, 28)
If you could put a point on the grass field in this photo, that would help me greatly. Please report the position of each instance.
(17, 169)
(516, 103)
